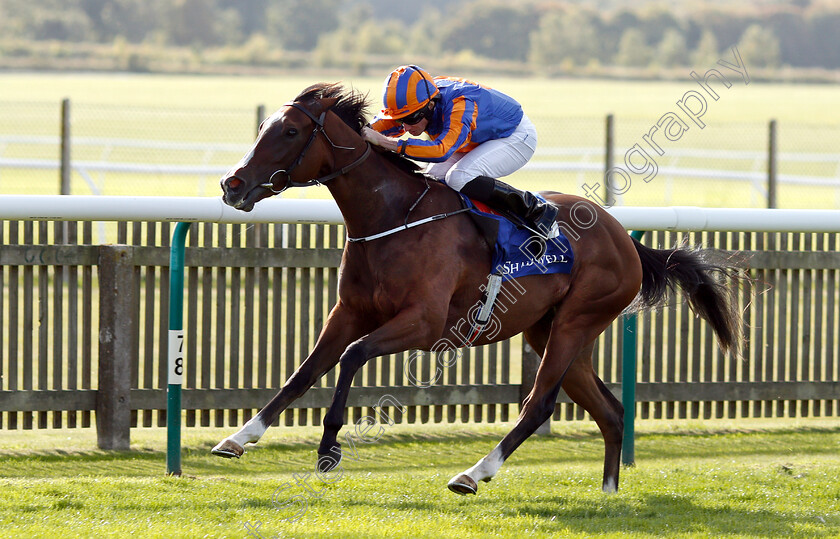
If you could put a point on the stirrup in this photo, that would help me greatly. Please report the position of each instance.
(534, 228)
(541, 227)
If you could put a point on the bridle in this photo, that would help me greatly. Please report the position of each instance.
(319, 128)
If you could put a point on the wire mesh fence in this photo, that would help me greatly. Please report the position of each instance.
(117, 150)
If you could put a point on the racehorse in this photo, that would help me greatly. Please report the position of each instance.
(407, 287)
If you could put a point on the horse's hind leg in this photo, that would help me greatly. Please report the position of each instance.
(574, 328)
(565, 342)
(340, 330)
(587, 390)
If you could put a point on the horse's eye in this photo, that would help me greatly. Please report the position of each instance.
(291, 132)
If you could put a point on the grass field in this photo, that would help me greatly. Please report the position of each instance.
(569, 113)
(692, 479)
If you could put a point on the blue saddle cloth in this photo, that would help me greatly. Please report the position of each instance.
(511, 256)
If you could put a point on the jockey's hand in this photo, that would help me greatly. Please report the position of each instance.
(375, 137)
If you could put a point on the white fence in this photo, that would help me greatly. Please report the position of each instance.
(112, 159)
(572, 159)
(575, 160)
(88, 169)
(758, 174)
(272, 210)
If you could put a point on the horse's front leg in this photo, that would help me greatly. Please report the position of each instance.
(342, 328)
(407, 330)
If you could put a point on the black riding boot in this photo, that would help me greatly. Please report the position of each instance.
(536, 215)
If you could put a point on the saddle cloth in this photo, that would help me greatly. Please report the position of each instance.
(511, 255)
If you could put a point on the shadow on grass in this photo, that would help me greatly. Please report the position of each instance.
(666, 516)
(134, 463)
(456, 448)
(653, 514)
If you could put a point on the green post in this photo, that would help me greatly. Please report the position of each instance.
(176, 349)
(628, 382)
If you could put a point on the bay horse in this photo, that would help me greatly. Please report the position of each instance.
(409, 288)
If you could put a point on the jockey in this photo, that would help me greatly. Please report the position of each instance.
(476, 134)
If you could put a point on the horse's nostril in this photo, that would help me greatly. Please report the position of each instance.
(233, 183)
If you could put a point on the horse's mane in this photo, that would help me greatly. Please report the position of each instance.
(352, 107)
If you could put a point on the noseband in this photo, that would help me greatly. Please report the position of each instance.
(319, 128)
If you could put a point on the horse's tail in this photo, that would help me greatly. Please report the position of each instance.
(707, 285)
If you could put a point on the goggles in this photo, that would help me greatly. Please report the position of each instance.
(415, 117)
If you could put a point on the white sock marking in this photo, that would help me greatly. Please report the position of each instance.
(487, 467)
(251, 432)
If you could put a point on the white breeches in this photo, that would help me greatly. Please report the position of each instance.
(495, 158)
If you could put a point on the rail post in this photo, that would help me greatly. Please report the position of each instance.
(628, 381)
(176, 349)
(64, 158)
(609, 149)
(117, 351)
(772, 180)
(260, 118)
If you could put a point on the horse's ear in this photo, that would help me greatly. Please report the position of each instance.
(326, 103)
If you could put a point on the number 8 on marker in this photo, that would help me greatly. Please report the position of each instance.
(176, 356)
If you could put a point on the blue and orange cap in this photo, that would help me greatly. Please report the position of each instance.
(406, 90)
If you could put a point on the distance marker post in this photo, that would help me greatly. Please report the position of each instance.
(175, 361)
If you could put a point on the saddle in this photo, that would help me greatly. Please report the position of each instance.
(513, 253)
(517, 252)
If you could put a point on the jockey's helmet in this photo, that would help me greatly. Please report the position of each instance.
(407, 89)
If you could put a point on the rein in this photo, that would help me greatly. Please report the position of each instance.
(319, 128)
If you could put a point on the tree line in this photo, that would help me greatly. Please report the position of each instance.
(543, 35)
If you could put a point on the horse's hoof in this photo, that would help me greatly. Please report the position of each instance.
(328, 463)
(463, 485)
(228, 449)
